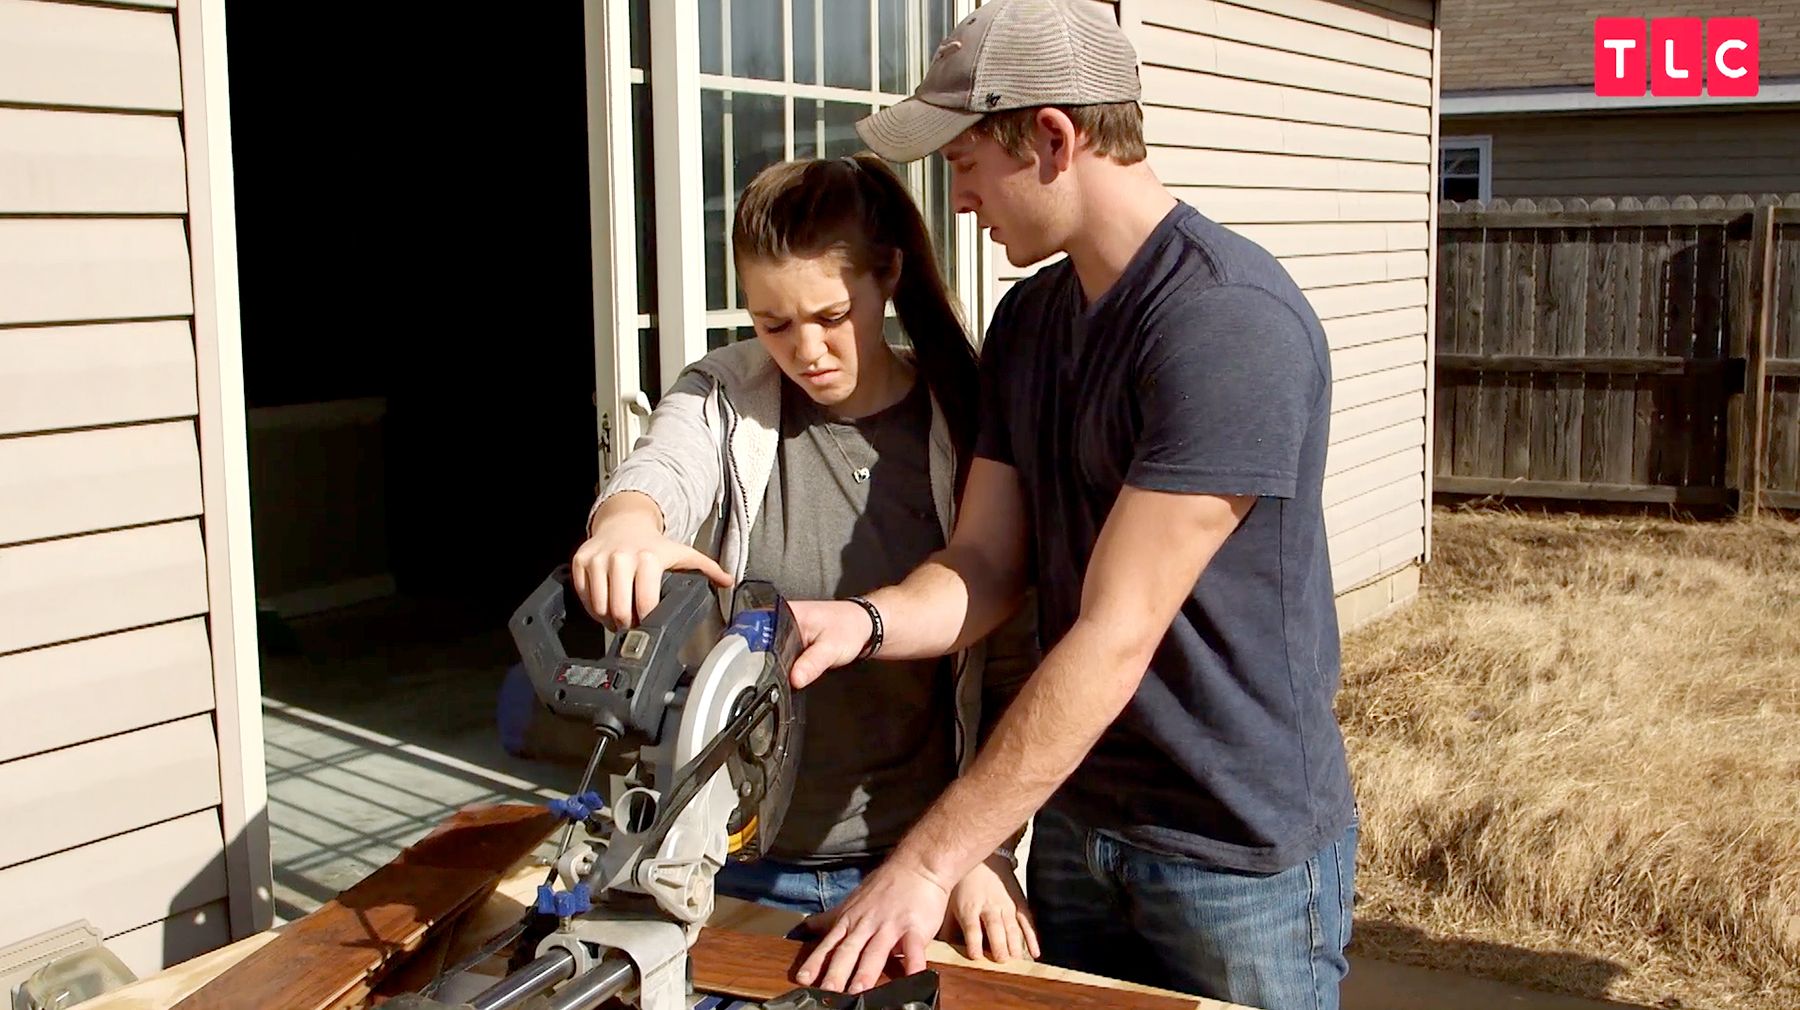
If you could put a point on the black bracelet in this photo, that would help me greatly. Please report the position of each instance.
(875, 633)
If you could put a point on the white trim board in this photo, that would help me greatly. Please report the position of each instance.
(1508, 101)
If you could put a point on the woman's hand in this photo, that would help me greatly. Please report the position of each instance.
(618, 571)
(990, 910)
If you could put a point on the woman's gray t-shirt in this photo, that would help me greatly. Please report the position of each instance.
(880, 744)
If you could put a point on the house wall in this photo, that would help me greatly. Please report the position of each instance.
(1307, 125)
(128, 780)
(1642, 154)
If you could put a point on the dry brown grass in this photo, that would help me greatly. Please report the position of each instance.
(1578, 758)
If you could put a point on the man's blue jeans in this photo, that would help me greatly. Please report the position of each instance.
(1272, 941)
(797, 888)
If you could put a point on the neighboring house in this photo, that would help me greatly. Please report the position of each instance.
(1520, 117)
(131, 755)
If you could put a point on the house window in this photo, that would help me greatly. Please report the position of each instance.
(786, 79)
(1465, 168)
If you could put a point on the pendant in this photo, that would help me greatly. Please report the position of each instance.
(861, 474)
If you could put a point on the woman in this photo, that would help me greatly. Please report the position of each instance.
(821, 459)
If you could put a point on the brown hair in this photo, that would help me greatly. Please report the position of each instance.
(858, 208)
(1114, 130)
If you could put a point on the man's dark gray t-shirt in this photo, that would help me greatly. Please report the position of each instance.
(1201, 370)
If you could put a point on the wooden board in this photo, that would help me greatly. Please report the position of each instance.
(336, 951)
(760, 967)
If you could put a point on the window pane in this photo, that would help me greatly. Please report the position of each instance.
(847, 44)
(1461, 189)
(744, 333)
(712, 38)
(758, 136)
(644, 188)
(717, 338)
(639, 18)
(840, 128)
(649, 366)
(712, 192)
(894, 49)
(1461, 161)
(756, 39)
(806, 41)
(806, 128)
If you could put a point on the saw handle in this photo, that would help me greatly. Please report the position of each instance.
(623, 690)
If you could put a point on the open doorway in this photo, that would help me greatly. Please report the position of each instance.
(411, 192)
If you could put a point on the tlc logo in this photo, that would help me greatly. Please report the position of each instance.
(1678, 57)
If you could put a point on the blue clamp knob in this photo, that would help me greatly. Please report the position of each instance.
(578, 808)
(755, 627)
(563, 904)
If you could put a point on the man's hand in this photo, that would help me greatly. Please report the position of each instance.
(899, 905)
(989, 906)
(832, 634)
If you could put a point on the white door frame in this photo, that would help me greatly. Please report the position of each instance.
(680, 315)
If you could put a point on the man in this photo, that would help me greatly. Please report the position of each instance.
(1155, 421)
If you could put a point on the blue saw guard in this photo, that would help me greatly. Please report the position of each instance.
(756, 628)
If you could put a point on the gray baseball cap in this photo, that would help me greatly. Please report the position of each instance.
(1009, 54)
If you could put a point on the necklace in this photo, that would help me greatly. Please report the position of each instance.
(858, 473)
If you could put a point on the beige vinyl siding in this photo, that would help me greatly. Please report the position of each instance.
(1640, 154)
(1307, 126)
(109, 738)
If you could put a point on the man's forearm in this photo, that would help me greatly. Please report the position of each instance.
(1082, 686)
(948, 603)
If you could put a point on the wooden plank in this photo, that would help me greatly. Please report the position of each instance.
(1385, 356)
(350, 939)
(185, 934)
(1707, 401)
(129, 680)
(1781, 367)
(1364, 299)
(1585, 219)
(1283, 31)
(1172, 88)
(1496, 339)
(56, 270)
(1583, 364)
(1782, 453)
(59, 590)
(81, 794)
(1521, 334)
(1229, 131)
(1443, 336)
(1347, 424)
(1603, 295)
(1636, 313)
(120, 883)
(74, 482)
(1376, 473)
(1158, 46)
(90, 163)
(1764, 283)
(1583, 491)
(1465, 391)
(98, 57)
(751, 966)
(1356, 268)
(1184, 167)
(1260, 205)
(1574, 279)
(82, 376)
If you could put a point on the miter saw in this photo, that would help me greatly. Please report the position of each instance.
(717, 751)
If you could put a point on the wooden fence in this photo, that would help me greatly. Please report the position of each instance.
(1620, 351)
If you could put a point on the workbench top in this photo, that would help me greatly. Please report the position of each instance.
(168, 987)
